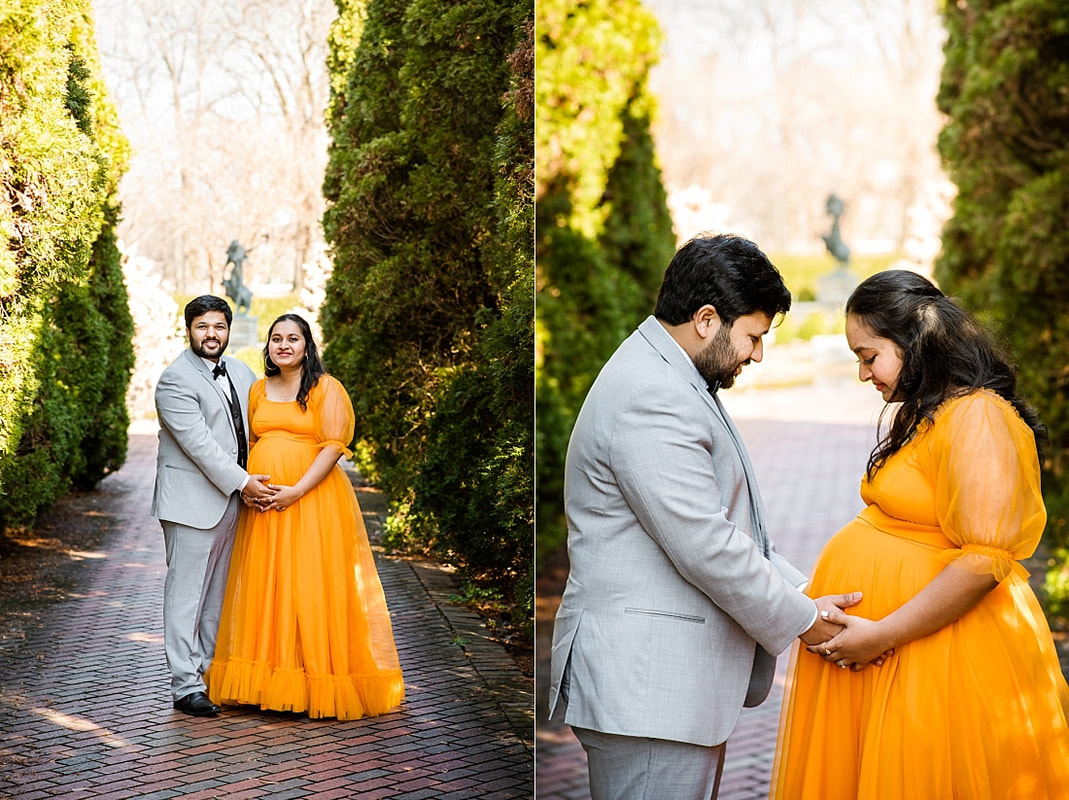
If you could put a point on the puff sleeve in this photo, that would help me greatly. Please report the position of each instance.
(334, 417)
(256, 394)
(987, 489)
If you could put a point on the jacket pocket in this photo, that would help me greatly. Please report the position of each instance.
(650, 612)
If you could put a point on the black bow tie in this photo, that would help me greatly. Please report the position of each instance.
(220, 369)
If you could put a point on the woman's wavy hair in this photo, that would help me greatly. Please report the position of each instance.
(311, 368)
(945, 350)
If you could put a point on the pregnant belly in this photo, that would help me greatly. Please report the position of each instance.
(285, 460)
(888, 569)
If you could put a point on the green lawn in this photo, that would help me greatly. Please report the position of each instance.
(800, 273)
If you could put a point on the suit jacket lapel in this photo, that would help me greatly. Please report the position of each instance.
(654, 333)
(219, 386)
(757, 509)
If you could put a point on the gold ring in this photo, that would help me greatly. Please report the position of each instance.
(827, 652)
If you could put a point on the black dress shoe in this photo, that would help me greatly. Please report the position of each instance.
(197, 705)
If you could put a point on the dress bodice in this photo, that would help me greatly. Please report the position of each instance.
(327, 420)
(967, 482)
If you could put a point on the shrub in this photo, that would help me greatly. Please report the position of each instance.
(1006, 250)
(65, 340)
(427, 318)
(604, 232)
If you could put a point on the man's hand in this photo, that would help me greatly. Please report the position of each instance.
(828, 606)
(258, 491)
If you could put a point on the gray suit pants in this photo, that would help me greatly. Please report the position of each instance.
(198, 562)
(638, 768)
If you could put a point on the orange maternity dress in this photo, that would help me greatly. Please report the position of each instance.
(305, 626)
(975, 711)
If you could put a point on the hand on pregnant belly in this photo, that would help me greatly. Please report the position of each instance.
(284, 498)
(858, 644)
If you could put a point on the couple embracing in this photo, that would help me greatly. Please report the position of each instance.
(924, 668)
(271, 597)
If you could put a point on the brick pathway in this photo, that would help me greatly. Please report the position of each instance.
(85, 710)
(809, 446)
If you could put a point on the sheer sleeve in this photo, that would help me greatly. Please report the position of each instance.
(334, 417)
(256, 394)
(987, 485)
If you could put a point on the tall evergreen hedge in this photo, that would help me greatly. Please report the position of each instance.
(428, 315)
(65, 327)
(1005, 91)
(604, 232)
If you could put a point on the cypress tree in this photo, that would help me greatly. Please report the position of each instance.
(477, 481)
(1005, 91)
(604, 232)
(65, 335)
(427, 316)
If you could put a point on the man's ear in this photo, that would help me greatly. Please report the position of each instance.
(706, 321)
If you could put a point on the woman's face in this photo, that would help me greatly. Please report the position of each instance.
(879, 360)
(286, 344)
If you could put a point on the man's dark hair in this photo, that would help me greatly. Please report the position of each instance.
(199, 306)
(725, 271)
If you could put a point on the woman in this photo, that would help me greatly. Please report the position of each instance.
(971, 703)
(305, 626)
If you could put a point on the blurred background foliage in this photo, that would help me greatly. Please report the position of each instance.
(604, 230)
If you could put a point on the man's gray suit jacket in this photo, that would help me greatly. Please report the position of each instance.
(196, 465)
(672, 582)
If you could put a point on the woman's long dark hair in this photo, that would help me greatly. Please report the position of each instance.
(946, 352)
(311, 368)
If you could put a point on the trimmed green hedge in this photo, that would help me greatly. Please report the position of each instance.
(1005, 91)
(66, 330)
(428, 314)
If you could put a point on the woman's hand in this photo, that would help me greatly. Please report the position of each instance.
(859, 643)
(285, 496)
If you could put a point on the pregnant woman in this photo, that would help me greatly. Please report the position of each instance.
(305, 626)
(972, 703)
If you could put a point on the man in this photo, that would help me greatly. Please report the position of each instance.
(675, 598)
(202, 404)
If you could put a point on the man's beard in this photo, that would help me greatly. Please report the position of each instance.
(198, 348)
(717, 361)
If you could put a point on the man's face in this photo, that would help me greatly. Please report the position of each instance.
(208, 335)
(730, 349)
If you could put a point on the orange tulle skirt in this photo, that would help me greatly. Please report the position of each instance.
(977, 710)
(305, 626)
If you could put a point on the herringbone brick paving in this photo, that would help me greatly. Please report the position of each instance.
(809, 447)
(85, 710)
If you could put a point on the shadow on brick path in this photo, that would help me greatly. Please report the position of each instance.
(85, 710)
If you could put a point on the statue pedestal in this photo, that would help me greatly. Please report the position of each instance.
(243, 332)
(835, 287)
